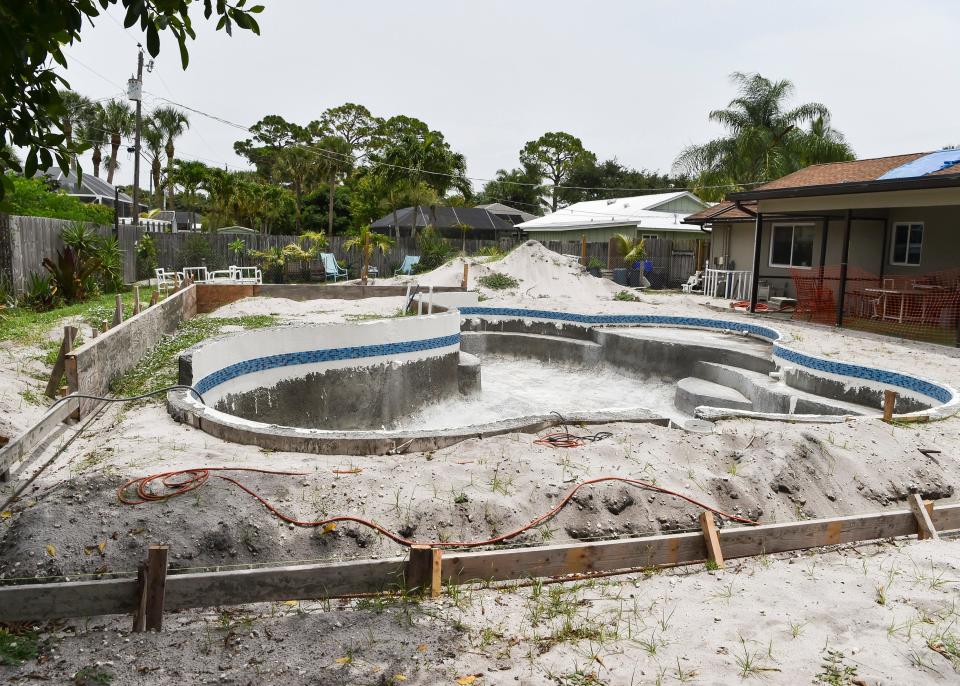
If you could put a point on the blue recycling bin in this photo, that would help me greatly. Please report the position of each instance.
(647, 266)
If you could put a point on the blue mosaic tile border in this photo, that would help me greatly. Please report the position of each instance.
(259, 364)
(605, 319)
(882, 376)
(927, 388)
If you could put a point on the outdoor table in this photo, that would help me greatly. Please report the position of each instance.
(898, 314)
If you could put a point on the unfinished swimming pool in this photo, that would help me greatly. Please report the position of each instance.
(419, 383)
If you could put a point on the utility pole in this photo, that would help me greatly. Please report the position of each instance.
(135, 92)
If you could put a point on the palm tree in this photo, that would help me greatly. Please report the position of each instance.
(765, 140)
(336, 158)
(153, 141)
(172, 122)
(632, 249)
(118, 121)
(365, 240)
(75, 109)
(464, 230)
(300, 168)
(190, 175)
(94, 133)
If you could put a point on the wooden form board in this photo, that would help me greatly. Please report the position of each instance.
(21, 445)
(267, 584)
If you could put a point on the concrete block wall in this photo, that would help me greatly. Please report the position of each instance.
(93, 366)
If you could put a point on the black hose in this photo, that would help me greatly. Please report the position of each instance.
(131, 398)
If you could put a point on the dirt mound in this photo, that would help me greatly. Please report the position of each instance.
(539, 273)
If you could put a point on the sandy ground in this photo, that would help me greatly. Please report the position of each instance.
(685, 626)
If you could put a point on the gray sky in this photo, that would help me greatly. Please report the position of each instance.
(633, 79)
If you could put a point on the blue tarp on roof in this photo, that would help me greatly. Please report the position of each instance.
(928, 164)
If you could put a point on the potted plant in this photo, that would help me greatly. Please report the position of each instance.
(594, 266)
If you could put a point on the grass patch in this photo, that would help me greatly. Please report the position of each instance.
(498, 282)
(15, 649)
(27, 327)
(158, 368)
(627, 296)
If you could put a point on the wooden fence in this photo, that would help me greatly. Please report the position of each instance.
(25, 241)
(37, 602)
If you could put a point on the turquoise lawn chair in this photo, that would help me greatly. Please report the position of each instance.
(330, 267)
(407, 266)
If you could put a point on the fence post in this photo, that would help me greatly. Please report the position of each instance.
(423, 570)
(118, 310)
(583, 249)
(889, 401)
(155, 586)
(466, 274)
(59, 366)
(136, 299)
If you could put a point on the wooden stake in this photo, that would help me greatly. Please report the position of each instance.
(710, 538)
(583, 249)
(925, 528)
(423, 570)
(889, 400)
(118, 310)
(59, 366)
(104, 326)
(466, 274)
(156, 583)
(140, 611)
(154, 298)
(136, 299)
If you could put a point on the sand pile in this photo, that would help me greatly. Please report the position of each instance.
(540, 273)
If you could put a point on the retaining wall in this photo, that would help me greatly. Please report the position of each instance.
(94, 365)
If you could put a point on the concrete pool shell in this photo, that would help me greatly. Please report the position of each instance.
(327, 388)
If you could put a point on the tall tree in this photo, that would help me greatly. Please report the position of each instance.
(94, 132)
(153, 141)
(554, 156)
(300, 168)
(32, 37)
(518, 188)
(351, 122)
(75, 111)
(173, 123)
(271, 134)
(592, 180)
(117, 122)
(190, 175)
(336, 159)
(366, 241)
(765, 139)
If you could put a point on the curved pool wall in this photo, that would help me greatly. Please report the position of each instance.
(918, 398)
(332, 376)
(230, 366)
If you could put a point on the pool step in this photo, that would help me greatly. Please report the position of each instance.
(771, 395)
(693, 392)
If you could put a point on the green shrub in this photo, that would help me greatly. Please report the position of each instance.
(498, 282)
(70, 274)
(626, 296)
(39, 294)
(490, 251)
(596, 263)
(146, 249)
(34, 198)
(434, 250)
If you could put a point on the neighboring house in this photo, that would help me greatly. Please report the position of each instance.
(887, 218)
(90, 189)
(507, 213)
(484, 225)
(642, 216)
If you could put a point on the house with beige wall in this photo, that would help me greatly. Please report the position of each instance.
(893, 217)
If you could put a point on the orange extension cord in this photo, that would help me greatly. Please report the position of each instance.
(183, 481)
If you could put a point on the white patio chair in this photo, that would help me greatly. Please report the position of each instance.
(166, 280)
(247, 275)
(197, 274)
(221, 276)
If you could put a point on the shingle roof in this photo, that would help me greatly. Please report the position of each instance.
(444, 218)
(89, 185)
(725, 211)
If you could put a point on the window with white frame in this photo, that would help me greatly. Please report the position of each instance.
(791, 245)
(907, 243)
